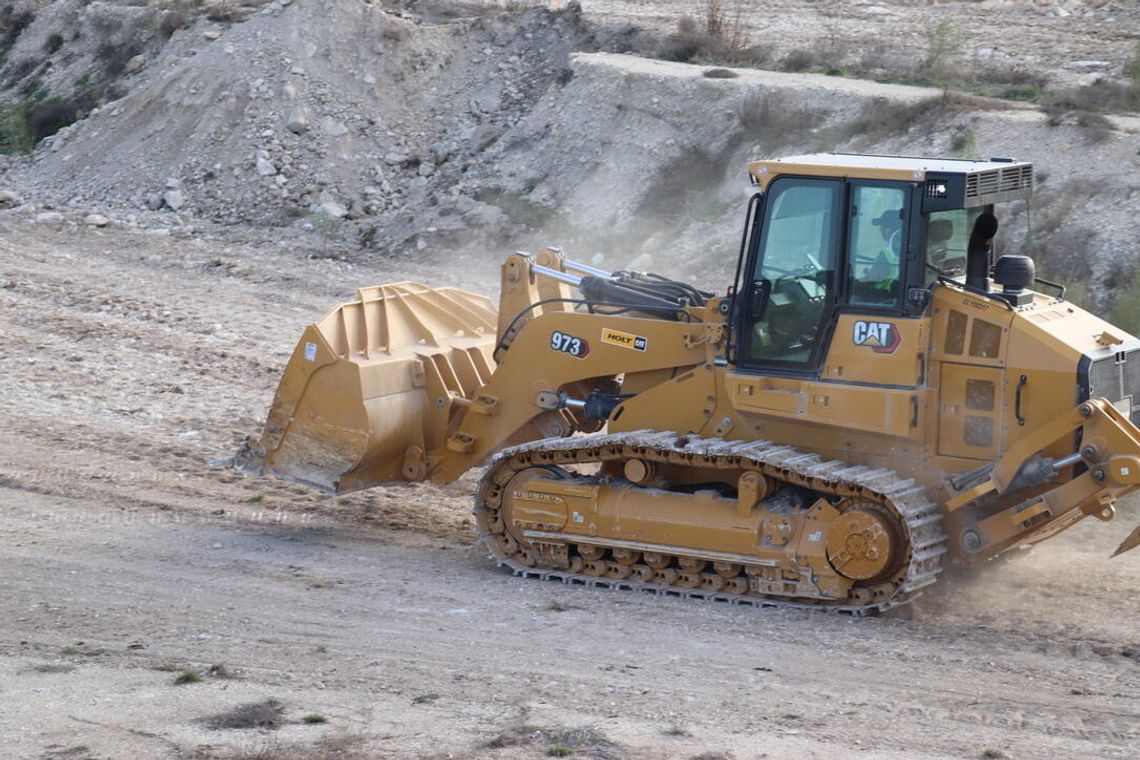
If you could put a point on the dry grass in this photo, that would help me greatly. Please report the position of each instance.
(558, 741)
(226, 11)
(264, 715)
(882, 118)
(720, 37)
(220, 670)
(53, 668)
(758, 114)
(341, 747)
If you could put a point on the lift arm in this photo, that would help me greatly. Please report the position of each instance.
(1110, 454)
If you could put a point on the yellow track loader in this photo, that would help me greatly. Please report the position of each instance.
(876, 396)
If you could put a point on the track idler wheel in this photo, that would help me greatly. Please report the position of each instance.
(862, 543)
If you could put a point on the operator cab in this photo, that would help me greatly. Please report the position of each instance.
(833, 233)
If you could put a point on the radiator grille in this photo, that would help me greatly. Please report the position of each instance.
(993, 181)
(1116, 377)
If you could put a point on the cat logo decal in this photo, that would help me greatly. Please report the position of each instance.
(881, 337)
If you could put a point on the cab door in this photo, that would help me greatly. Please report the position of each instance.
(824, 335)
(792, 277)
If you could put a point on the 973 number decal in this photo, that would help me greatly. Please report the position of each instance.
(569, 344)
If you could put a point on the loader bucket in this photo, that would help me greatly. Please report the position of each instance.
(373, 379)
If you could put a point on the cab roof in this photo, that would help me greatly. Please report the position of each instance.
(980, 182)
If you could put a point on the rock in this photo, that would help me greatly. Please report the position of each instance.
(484, 137)
(298, 122)
(265, 167)
(332, 127)
(174, 199)
(173, 183)
(395, 159)
(212, 34)
(441, 151)
(49, 217)
(289, 90)
(488, 99)
(96, 220)
(135, 64)
(333, 210)
(426, 169)
(10, 199)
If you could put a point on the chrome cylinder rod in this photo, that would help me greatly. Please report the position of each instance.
(555, 274)
(1064, 462)
(586, 269)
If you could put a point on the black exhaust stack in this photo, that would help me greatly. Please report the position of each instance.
(978, 251)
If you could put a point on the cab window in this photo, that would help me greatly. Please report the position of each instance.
(947, 239)
(794, 272)
(876, 245)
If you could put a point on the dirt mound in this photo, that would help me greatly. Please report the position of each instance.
(337, 109)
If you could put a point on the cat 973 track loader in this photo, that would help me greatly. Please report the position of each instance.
(877, 396)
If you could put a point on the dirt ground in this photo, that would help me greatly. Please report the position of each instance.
(133, 558)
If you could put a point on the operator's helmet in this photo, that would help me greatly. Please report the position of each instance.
(889, 222)
(890, 227)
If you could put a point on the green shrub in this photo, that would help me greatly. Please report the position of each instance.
(1132, 68)
(14, 136)
(46, 118)
(12, 23)
(942, 65)
(187, 677)
(963, 141)
(173, 20)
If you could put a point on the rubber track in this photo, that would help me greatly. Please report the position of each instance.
(921, 517)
